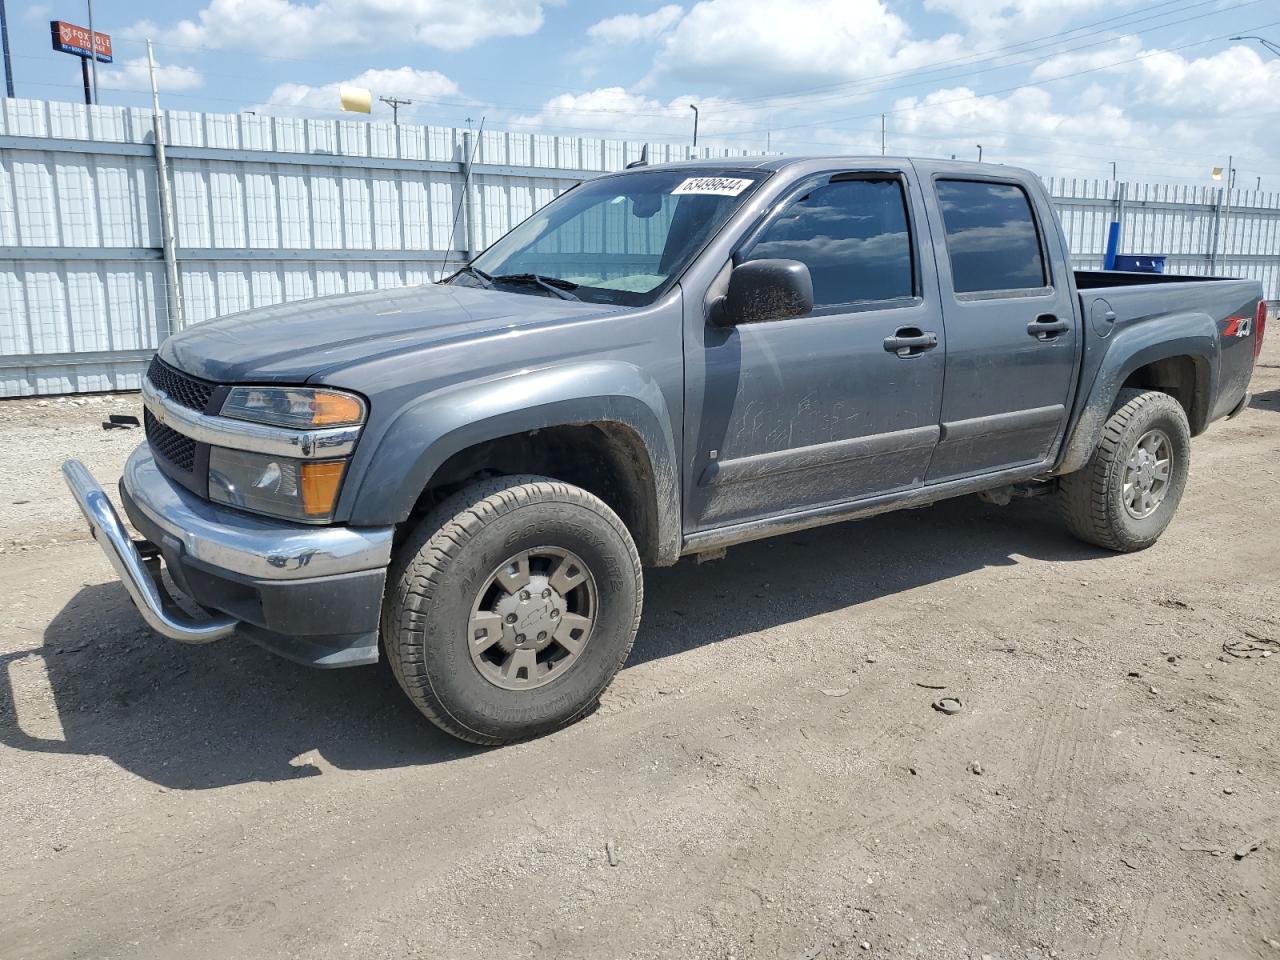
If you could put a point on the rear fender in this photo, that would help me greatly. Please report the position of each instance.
(1133, 346)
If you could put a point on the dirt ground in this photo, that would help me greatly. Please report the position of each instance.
(767, 769)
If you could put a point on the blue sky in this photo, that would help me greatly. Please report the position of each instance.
(1065, 86)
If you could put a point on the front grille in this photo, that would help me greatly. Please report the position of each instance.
(191, 392)
(170, 444)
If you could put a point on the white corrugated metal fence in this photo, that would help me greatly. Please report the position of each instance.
(269, 209)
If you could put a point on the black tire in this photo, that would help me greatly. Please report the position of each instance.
(442, 569)
(1092, 499)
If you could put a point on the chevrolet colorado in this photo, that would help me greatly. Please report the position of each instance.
(468, 477)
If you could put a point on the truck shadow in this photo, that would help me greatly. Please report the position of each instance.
(194, 718)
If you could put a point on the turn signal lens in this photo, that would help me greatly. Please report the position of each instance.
(297, 407)
(275, 486)
(320, 485)
(332, 409)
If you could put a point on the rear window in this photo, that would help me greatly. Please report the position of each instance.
(991, 237)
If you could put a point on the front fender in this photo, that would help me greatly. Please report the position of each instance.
(1133, 346)
(424, 434)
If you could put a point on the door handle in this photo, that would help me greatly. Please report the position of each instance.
(1047, 327)
(910, 342)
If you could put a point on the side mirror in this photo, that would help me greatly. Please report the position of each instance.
(761, 290)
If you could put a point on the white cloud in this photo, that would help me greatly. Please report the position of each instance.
(615, 112)
(1077, 132)
(1235, 81)
(633, 27)
(952, 118)
(758, 45)
(133, 75)
(300, 99)
(1095, 58)
(39, 11)
(283, 26)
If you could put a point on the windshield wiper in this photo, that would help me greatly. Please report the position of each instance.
(557, 286)
(485, 280)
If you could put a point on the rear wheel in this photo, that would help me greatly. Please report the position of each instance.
(511, 608)
(1128, 492)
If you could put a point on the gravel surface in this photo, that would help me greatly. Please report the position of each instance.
(767, 777)
(35, 509)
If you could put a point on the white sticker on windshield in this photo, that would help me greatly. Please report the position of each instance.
(717, 186)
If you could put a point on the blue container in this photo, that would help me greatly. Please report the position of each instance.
(1141, 262)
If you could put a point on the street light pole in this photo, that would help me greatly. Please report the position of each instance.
(979, 153)
(93, 51)
(1113, 171)
(694, 108)
(1274, 48)
(4, 40)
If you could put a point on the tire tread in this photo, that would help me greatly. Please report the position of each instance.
(1084, 496)
(436, 542)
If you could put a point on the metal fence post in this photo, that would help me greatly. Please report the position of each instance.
(1213, 236)
(167, 236)
(1124, 193)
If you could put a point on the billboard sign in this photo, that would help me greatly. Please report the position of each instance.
(68, 38)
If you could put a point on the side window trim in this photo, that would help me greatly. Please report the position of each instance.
(780, 206)
(1007, 293)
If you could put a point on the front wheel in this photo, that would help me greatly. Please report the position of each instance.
(1127, 493)
(511, 607)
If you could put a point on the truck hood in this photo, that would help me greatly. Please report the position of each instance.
(293, 342)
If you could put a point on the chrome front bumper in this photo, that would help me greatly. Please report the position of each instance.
(149, 596)
(216, 537)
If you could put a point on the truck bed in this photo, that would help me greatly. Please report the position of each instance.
(1132, 307)
(1099, 279)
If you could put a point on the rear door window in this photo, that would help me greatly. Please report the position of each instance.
(992, 240)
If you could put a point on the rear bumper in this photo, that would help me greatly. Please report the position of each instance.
(312, 594)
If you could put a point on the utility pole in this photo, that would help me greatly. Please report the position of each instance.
(694, 108)
(882, 134)
(395, 106)
(979, 153)
(93, 50)
(4, 40)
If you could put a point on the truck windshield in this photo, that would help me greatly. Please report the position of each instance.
(619, 239)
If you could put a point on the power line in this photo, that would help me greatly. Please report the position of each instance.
(726, 105)
(994, 53)
(1040, 60)
(1017, 86)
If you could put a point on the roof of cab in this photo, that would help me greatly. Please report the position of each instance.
(779, 162)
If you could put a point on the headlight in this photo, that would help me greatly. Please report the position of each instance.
(278, 486)
(301, 408)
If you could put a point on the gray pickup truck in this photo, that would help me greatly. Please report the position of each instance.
(662, 362)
